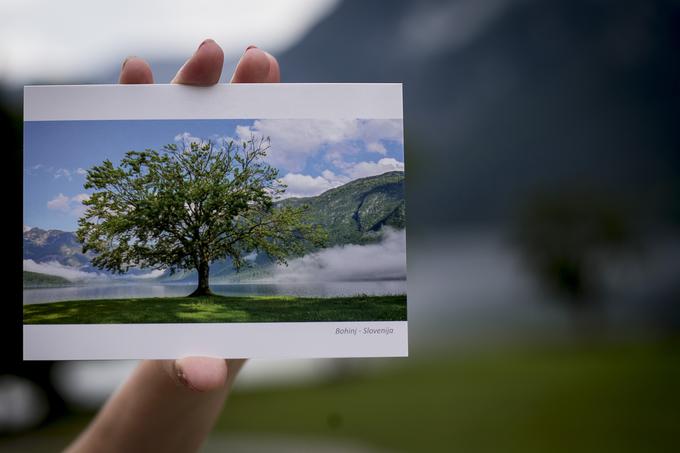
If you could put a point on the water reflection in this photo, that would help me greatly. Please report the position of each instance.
(121, 291)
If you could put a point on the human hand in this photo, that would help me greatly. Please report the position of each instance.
(171, 405)
(203, 69)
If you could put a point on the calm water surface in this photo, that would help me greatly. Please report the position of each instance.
(122, 291)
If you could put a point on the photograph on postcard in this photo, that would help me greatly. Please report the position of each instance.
(218, 221)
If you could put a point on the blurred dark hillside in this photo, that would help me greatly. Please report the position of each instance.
(504, 99)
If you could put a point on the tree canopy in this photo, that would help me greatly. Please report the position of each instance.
(188, 205)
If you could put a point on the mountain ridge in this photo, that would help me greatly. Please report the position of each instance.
(374, 202)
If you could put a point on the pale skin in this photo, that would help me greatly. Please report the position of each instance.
(171, 405)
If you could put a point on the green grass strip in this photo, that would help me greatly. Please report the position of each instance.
(218, 309)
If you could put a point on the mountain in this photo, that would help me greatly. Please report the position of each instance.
(37, 280)
(351, 214)
(44, 246)
(355, 212)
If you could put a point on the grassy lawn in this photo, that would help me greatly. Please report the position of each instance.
(218, 309)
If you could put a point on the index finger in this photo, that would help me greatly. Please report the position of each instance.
(135, 71)
(204, 67)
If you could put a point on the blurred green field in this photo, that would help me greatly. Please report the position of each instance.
(555, 398)
(616, 398)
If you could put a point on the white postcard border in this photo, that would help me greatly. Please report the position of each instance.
(233, 340)
(224, 101)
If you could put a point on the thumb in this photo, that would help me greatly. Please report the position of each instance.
(203, 374)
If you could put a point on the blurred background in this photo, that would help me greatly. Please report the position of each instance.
(543, 175)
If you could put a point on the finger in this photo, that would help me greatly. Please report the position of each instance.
(203, 374)
(274, 70)
(204, 67)
(256, 66)
(134, 71)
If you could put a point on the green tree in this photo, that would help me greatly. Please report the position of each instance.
(186, 206)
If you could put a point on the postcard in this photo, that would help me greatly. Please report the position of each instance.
(262, 220)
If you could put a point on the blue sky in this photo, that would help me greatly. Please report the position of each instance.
(312, 155)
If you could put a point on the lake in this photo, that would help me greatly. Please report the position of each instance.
(123, 291)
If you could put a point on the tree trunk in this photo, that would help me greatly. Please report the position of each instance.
(203, 288)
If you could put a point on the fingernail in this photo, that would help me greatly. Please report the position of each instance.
(252, 46)
(125, 61)
(204, 42)
(182, 378)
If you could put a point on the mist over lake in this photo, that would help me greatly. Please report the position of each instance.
(132, 290)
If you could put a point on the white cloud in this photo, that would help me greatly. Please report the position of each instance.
(187, 139)
(75, 274)
(70, 205)
(300, 185)
(376, 132)
(244, 132)
(57, 173)
(63, 173)
(381, 261)
(365, 169)
(294, 140)
(59, 203)
(60, 270)
(377, 147)
(149, 275)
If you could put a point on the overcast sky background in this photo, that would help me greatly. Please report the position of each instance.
(312, 155)
(79, 39)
